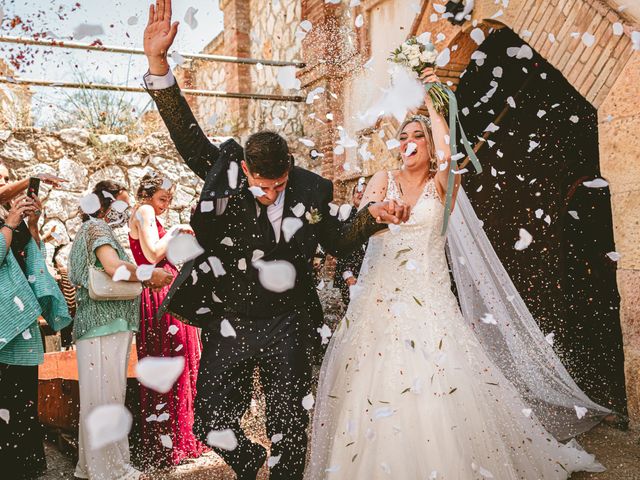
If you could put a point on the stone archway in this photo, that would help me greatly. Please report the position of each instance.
(605, 70)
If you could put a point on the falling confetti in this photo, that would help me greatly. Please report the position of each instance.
(159, 373)
(90, 203)
(290, 226)
(597, 183)
(182, 248)
(524, 241)
(190, 18)
(122, 273)
(18, 303)
(277, 275)
(308, 401)
(107, 424)
(4, 415)
(226, 329)
(224, 439)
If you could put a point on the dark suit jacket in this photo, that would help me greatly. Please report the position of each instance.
(238, 220)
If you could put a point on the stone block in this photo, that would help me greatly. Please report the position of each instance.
(48, 149)
(17, 151)
(629, 288)
(74, 174)
(619, 148)
(74, 136)
(632, 377)
(111, 172)
(622, 99)
(626, 228)
(62, 205)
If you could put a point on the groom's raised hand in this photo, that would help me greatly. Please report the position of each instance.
(390, 211)
(158, 36)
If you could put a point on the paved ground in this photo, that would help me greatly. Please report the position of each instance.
(618, 451)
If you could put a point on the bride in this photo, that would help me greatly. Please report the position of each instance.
(417, 386)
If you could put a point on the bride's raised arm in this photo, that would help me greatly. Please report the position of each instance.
(440, 132)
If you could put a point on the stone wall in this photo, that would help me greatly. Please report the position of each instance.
(83, 159)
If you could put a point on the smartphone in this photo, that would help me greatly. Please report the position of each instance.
(34, 187)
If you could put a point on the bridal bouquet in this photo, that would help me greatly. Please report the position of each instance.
(417, 56)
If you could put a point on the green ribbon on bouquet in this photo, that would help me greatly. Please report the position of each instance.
(454, 123)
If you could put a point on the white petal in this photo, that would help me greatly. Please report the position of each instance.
(286, 78)
(159, 373)
(257, 191)
(549, 338)
(344, 212)
(580, 411)
(527, 412)
(216, 265)
(166, 441)
(4, 415)
(107, 424)
(190, 18)
(588, 39)
(524, 241)
(290, 226)
(615, 256)
(226, 329)
(489, 319)
(121, 273)
(242, 264)
(173, 329)
(87, 30)
(477, 35)
(597, 183)
(298, 210)
(277, 275)
(359, 21)
(308, 401)
(273, 460)
(227, 241)
(443, 58)
(90, 203)
(182, 248)
(144, 272)
(224, 439)
(18, 303)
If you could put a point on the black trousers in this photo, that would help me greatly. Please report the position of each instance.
(279, 348)
(21, 448)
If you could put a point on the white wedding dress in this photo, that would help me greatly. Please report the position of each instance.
(406, 389)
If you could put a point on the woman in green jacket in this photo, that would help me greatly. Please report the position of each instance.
(27, 291)
(103, 330)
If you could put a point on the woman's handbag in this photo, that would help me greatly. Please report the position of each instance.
(103, 287)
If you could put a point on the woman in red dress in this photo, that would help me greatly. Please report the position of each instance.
(169, 414)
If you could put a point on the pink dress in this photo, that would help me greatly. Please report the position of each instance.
(156, 340)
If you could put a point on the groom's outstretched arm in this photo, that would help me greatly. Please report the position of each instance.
(192, 144)
(341, 238)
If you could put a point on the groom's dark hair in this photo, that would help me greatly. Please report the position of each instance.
(267, 155)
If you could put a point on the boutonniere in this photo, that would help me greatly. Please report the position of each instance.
(313, 216)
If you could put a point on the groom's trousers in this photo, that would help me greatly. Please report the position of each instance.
(278, 347)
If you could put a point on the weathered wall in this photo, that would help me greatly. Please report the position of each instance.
(84, 159)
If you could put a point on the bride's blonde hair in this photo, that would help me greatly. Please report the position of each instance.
(425, 123)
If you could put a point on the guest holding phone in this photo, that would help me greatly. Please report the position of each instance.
(27, 291)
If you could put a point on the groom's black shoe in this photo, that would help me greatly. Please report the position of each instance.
(250, 469)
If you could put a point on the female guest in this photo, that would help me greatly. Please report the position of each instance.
(164, 337)
(27, 291)
(103, 331)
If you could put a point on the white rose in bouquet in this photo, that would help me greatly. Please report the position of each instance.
(418, 53)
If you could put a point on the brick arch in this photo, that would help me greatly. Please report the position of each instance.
(592, 71)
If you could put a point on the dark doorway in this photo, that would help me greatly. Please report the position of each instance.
(534, 168)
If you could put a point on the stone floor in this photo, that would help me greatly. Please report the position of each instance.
(618, 451)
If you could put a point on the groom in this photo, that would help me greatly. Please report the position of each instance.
(259, 220)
